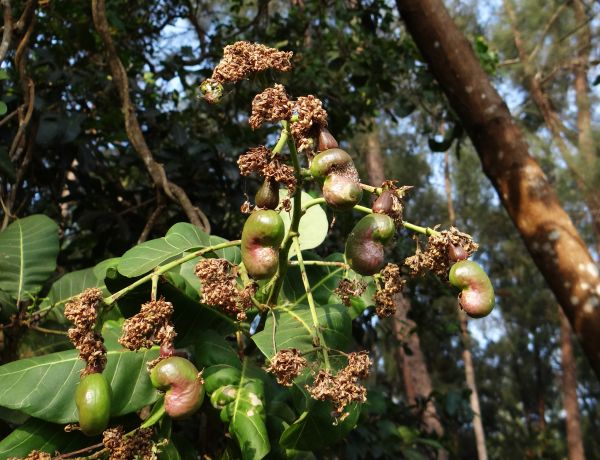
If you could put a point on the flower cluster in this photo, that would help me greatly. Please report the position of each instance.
(271, 105)
(347, 289)
(121, 447)
(286, 365)
(343, 388)
(82, 312)
(308, 117)
(436, 257)
(34, 455)
(151, 326)
(220, 290)
(392, 284)
(260, 160)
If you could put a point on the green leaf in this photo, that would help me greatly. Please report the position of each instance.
(37, 434)
(247, 415)
(313, 226)
(315, 430)
(180, 238)
(3, 108)
(28, 251)
(293, 328)
(44, 386)
(210, 348)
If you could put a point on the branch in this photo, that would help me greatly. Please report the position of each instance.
(8, 29)
(132, 126)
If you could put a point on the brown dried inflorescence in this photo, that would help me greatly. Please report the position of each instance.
(393, 283)
(260, 160)
(286, 365)
(34, 455)
(343, 388)
(219, 288)
(271, 105)
(137, 445)
(83, 312)
(244, 58)
(151, 326)
(349, 288)
(436, 258)
(308, 117)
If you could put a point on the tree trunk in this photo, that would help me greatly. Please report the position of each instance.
(550, 236)
(414, 370)
(569, 389)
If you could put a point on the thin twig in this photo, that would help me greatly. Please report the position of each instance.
(132, 126)
(8, 29)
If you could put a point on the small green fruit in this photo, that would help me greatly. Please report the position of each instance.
(477, 293)
(267, 195)
(261, 237)
(183, 385)
(92, 398)
(341, 188)
(365, 244)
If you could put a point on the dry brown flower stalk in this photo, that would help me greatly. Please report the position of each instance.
(138, 445)
(271, 105)
(286, 365)
(260, 160)
(219, 288)
(343, 388)
(392, 285)
(244, 58)
(82, 312)
(34, 455)
(308, 117)
(435, 258)
(151, 326)
(347, 289)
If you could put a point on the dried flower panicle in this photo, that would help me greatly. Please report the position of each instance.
(244, 58)
(219, 288)
(82, 312)
(151, 326)
(393, 283)
(260, 160)
(286, 365)
(436, 258)
(308, 117)
(343, 388)
(350, 288)
(138, 445)
(34, 455)
(271, 105)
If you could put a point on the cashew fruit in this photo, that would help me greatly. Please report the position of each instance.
(341, 187)
(92, 398)
(267, 195)
(384, 203)
(365, 245)
(477, 293)
(326, 140)
(262, 234)
(183, 385)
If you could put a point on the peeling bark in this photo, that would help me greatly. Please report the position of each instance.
(525, 192)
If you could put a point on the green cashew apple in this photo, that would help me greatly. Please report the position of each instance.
(267, 195)
(183, 385)
(365, 244)
(341, 186)
(477, 293)
(261, 237)
(92, 398)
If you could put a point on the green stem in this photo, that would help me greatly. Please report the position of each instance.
(277, 281)
(311, 304)
(371, 189)
(415, 228)
(283, 137)
(311, 203)
(323, 263)
(165, 268)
